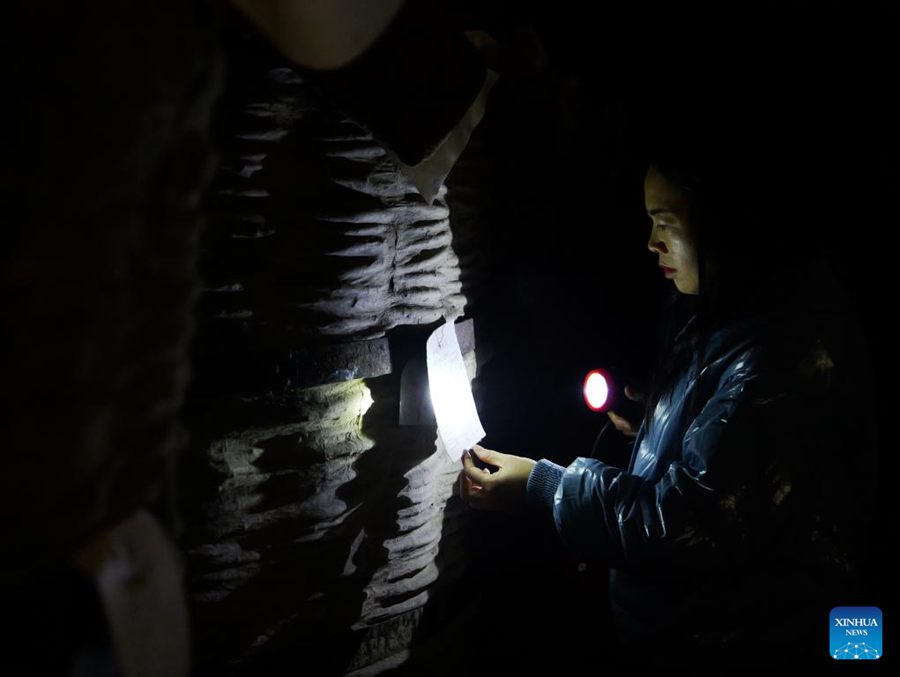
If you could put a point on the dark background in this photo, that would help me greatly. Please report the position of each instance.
(572, 285)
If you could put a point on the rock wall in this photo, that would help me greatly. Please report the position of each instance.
(320, 532)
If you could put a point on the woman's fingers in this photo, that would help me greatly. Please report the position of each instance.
(474, 477)
(633, 394)
(623, 426)
(620, 423)
(469, 492)
(488, 455)
(466, 487)
(503, 489)
(473, 489)
(470, 470)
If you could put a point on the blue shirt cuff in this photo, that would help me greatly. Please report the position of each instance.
(542, 484)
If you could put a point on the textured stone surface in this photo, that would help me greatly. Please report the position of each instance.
(315, 232)
(319, 531)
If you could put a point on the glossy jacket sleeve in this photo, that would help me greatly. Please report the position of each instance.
(705, 506)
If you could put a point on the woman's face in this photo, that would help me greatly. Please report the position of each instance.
(671, 237)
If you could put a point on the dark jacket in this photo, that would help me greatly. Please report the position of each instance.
(735, 529)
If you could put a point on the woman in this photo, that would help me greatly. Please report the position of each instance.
(742, 516)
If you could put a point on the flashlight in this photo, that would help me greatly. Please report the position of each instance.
(597, 386)
(604, 391)
(602, 394)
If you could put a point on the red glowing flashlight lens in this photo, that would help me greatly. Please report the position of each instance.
(596, 390)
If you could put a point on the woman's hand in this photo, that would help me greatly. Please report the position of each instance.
(624, 426)
(503, 490)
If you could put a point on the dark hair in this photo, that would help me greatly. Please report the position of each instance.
(744, 183)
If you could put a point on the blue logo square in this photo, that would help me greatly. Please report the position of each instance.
(856, 633)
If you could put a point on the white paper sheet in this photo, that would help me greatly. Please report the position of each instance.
(451, 393)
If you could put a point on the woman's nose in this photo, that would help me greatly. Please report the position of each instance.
(655, 245)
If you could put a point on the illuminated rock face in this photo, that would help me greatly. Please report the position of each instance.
(318, 531)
